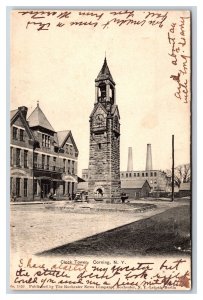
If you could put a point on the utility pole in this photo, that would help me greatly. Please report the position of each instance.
(172, 196)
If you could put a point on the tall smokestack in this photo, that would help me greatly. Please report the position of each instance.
(130, 160)
(149, 158)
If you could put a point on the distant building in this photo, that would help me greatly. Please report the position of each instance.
(82, 185)
(158, 180)
(43, 162)
(185, 189)
(85, 174)
(136, 189)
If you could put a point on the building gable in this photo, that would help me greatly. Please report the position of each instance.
(18, 120)
(69, 140)
(99, 109)
(146, 184)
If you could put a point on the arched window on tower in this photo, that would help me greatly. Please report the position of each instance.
(111, 94)
(102, 92)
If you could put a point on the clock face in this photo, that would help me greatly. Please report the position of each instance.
(99, 120)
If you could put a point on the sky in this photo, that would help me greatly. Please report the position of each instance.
(57, 67)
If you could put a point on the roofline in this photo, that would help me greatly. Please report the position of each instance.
(42, 128)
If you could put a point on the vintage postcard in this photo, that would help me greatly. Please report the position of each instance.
(100, 160)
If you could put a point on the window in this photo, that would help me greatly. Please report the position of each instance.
(99, 146)
(25, 159)
(43, 140)
(49, 143)
(134, 174)
(71, 149)
(11, 156)
(151, 174)
(129, 174)
(48, 159)
(18, 187)
(138, 174)
(35, 159)
(35, 186)
(18, 157)
(46, 141)
(67, 149)
(154, 173)
(15, 133)
(25, 187)
(126, 174)
(21, 135)
(142, 174)
(73, 167)
(146, 174)
(64, 165)
(43, 161)
(54, 163)
(68, 166)
(121, 174)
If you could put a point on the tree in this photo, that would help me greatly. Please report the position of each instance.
(182, 174)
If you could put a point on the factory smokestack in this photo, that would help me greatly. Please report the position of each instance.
(149, 158)
(130, 160)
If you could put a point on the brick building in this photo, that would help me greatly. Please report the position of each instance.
(43, 162)
(157, 179)
(104, 156)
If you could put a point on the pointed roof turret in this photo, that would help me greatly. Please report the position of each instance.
(104, 73)
(38, 118)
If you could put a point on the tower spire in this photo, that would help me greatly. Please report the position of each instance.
(105, 73)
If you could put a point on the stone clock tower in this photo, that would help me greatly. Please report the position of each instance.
(104, 156)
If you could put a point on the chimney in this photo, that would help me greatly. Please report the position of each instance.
(149, 158)
(130, 160)
(23, 110)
